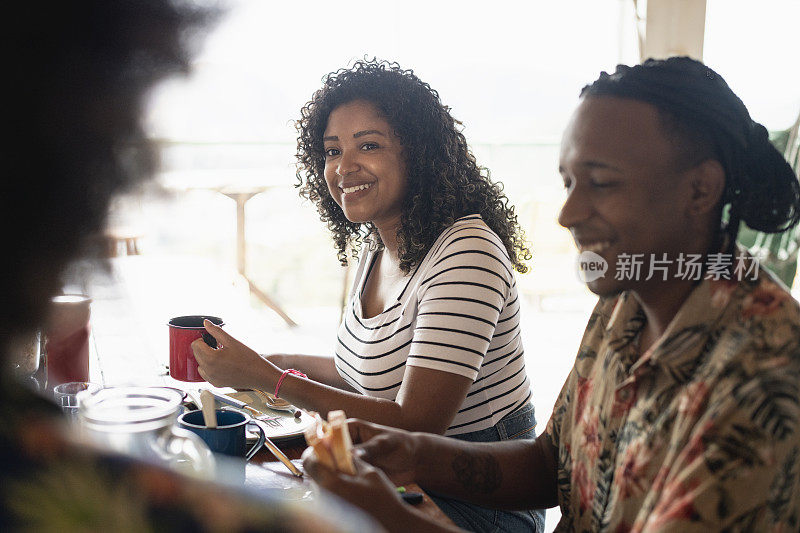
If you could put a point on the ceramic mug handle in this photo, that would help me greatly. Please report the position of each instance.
(257, 446)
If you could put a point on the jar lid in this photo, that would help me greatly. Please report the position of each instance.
(130, 405)
(71, 299)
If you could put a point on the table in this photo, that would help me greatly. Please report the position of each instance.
(123, 353)
(241, 195)
(240, 191)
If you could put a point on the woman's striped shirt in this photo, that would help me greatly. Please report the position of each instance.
(459, 313)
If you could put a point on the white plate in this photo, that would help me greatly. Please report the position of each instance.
(278, 425)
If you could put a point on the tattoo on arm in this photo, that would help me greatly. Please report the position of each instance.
(478, 472)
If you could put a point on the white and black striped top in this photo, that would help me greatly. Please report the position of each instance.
(459, 313)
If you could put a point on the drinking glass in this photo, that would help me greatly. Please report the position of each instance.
(66, 395)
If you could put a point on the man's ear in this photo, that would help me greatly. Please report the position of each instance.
(707, 182)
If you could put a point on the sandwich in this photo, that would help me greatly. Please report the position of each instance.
(331, 442)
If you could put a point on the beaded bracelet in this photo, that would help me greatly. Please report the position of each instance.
(283, 375)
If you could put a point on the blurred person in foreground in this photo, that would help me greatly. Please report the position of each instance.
(681, 411)
(78, 76)
(430, 339)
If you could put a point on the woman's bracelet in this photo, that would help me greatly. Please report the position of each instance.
(283, 375)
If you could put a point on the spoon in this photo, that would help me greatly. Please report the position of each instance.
(277, 403)
(209, 407)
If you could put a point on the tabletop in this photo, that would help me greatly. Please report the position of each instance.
(129, 348)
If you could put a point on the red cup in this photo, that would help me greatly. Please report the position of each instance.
(67, 345)
(183, 331)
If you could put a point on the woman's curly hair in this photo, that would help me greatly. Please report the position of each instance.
(444, 180)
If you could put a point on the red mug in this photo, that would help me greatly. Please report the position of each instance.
(183, 331)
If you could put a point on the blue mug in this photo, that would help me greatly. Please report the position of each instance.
(228, 437)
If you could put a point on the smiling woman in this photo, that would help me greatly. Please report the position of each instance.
(430, 339)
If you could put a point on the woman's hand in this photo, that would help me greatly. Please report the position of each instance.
(232, 364)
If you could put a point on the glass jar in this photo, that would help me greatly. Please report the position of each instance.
(141, 421)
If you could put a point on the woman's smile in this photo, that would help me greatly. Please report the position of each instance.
(349, 191)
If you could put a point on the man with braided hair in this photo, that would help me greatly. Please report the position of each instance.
(682, 410)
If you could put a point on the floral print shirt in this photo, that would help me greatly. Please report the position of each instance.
(700, 432)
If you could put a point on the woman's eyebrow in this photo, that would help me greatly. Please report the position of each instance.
(356, 135)
(367, 132)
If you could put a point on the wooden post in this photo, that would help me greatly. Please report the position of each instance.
(241, 248)
(674, 28)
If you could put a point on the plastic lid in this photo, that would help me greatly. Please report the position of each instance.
(130, 405)
(71, 299)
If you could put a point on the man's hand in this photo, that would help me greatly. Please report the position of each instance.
(232, 364)
(369, 489)
(515, 474)
(392, 450)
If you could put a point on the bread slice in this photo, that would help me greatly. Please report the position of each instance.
(341, 445)
(331, 441)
